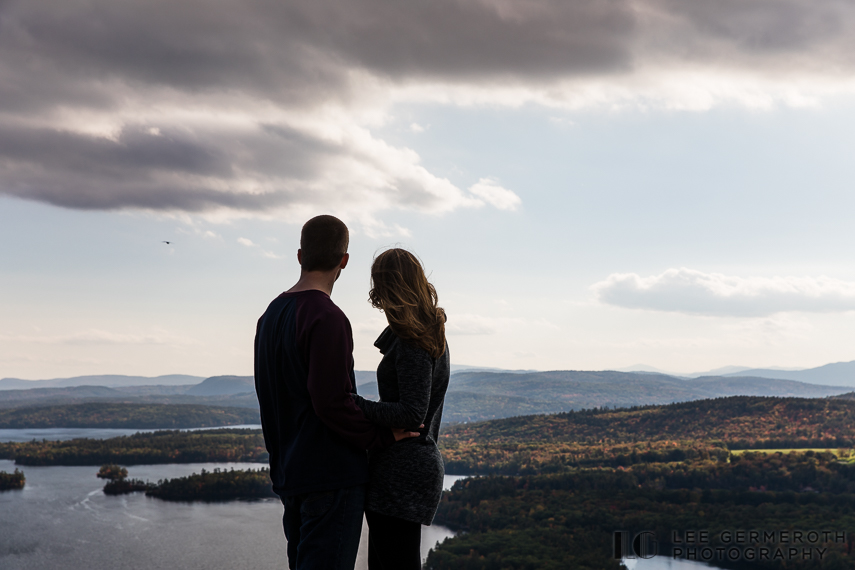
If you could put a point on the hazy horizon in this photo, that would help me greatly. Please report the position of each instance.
(724, 370)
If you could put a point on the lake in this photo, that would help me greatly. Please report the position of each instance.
(62, 519)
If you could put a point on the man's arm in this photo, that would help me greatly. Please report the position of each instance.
(329, 349)
(271, 436)
(415, 374)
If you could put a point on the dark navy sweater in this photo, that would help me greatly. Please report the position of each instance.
(314, 432)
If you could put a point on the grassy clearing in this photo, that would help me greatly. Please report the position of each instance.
(847, 455)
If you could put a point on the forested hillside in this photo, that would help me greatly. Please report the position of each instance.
(133, 416)
(572, 479)
(554, 522)
(143, 448)
(734, 419)
(553, 443)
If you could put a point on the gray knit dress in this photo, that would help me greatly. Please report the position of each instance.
(406, 478)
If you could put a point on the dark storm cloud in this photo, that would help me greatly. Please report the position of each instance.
(160, 170)
(115, 59)
(132, 152)
(292, 50)
(766, 26)
(94, 193)
(453, 38)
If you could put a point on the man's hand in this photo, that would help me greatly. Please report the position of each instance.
(401, 433)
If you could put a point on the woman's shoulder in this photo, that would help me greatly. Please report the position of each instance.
(389, 341)
(410, 351)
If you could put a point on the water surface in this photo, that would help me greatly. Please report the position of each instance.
(665, 563)
(63, 434)
(62, 519)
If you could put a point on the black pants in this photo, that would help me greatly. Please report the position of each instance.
(393, 543)
(323, 528)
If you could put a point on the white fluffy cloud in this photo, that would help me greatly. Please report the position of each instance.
(490, 192)
(694, 292)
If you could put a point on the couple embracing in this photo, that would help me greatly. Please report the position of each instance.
(317, 429)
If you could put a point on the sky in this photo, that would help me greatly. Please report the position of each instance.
(590, 185)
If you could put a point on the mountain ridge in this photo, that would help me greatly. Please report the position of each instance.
(223, 386)
(109, 380)
(835, 374)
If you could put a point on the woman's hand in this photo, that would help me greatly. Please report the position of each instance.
(401, 433)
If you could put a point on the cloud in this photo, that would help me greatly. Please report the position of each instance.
(191, 227)
(561, 121)
(769, 329)
(467, 324)
(249, 168)
(96, 337)
(491, 193)
(694, 292)
(260, 108)
(246, 242)
(252, 109)
(471, 324)
(372, 325)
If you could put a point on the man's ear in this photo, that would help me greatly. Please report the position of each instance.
(344, 261)
(300, 256)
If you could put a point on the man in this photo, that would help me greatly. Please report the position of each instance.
(313, 430)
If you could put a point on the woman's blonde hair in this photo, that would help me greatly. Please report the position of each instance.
(400, 289)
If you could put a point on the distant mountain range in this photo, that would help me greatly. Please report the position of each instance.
(223, 386)
(111, 380)
(715, 372)
(474, 393)
(477, 395)
(836, 374)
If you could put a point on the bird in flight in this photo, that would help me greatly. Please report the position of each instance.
(167, 242)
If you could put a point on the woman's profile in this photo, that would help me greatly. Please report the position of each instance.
(406, 479)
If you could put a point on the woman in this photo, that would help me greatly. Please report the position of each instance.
(406, 478)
